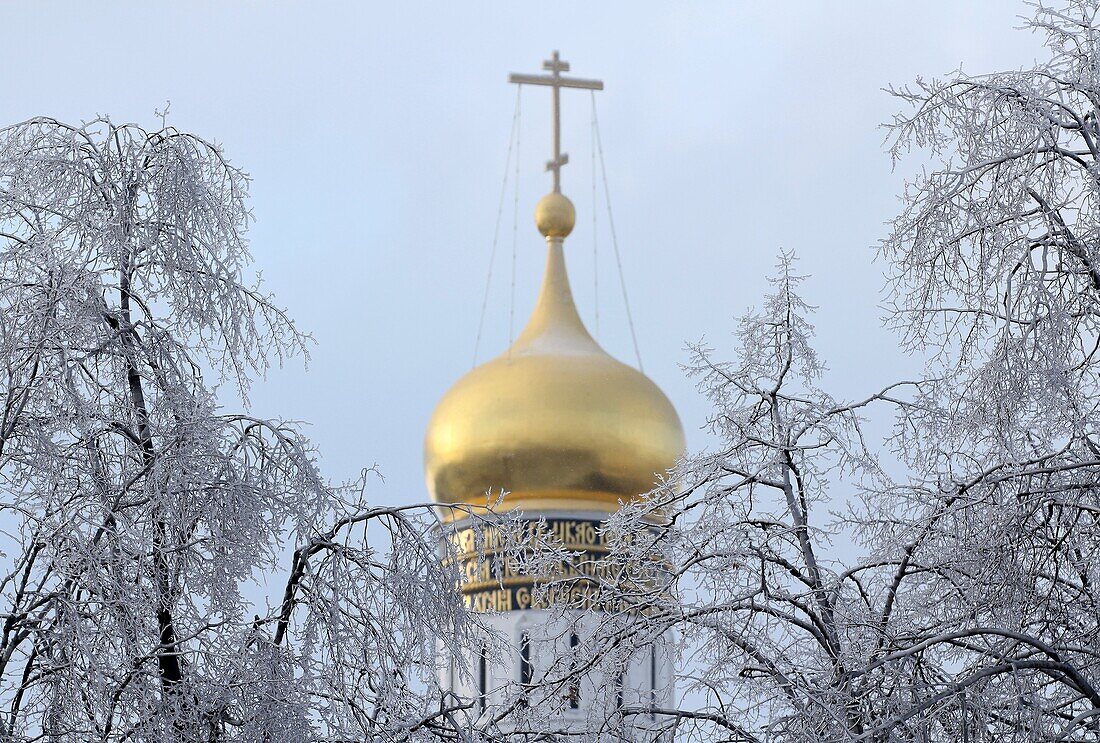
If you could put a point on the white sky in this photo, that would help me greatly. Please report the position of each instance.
(376, 135)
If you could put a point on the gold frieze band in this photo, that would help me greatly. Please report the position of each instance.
(492, 577)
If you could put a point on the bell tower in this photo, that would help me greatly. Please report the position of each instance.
(568, 434)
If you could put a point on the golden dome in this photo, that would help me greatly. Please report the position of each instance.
(554, 421)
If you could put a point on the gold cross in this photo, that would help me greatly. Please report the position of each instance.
(556, 66)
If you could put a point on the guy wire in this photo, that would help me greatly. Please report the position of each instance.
(614, 237)
(513, 136)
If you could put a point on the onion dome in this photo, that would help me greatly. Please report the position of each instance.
(554, 421)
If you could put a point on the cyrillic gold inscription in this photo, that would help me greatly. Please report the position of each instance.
(492, 580)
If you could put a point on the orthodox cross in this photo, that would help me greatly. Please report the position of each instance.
(556, 66)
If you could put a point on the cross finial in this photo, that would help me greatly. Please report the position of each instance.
(556, 65)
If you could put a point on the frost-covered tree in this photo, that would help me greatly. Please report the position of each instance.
(135, 510)
(818, 599)
(780, 634)
(955, 597)
(995, 263)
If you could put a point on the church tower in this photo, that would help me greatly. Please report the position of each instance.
(568, 433)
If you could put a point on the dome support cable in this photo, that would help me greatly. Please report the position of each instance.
(614, 237)
(513, 137)
(595, 231)
(515, 229)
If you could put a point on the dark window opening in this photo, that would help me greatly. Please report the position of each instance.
(482, 679)
(525, 669)
(652, 681)
(574, 684)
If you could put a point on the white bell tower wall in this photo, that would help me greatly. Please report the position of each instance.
(548, 663)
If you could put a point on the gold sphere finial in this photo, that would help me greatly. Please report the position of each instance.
(555, 215)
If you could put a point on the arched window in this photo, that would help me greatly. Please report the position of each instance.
(482, 678)
(652, 680)
(525, 659)
(575, 683)
(525, 667)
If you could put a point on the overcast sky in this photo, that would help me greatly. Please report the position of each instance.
(376, 135)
